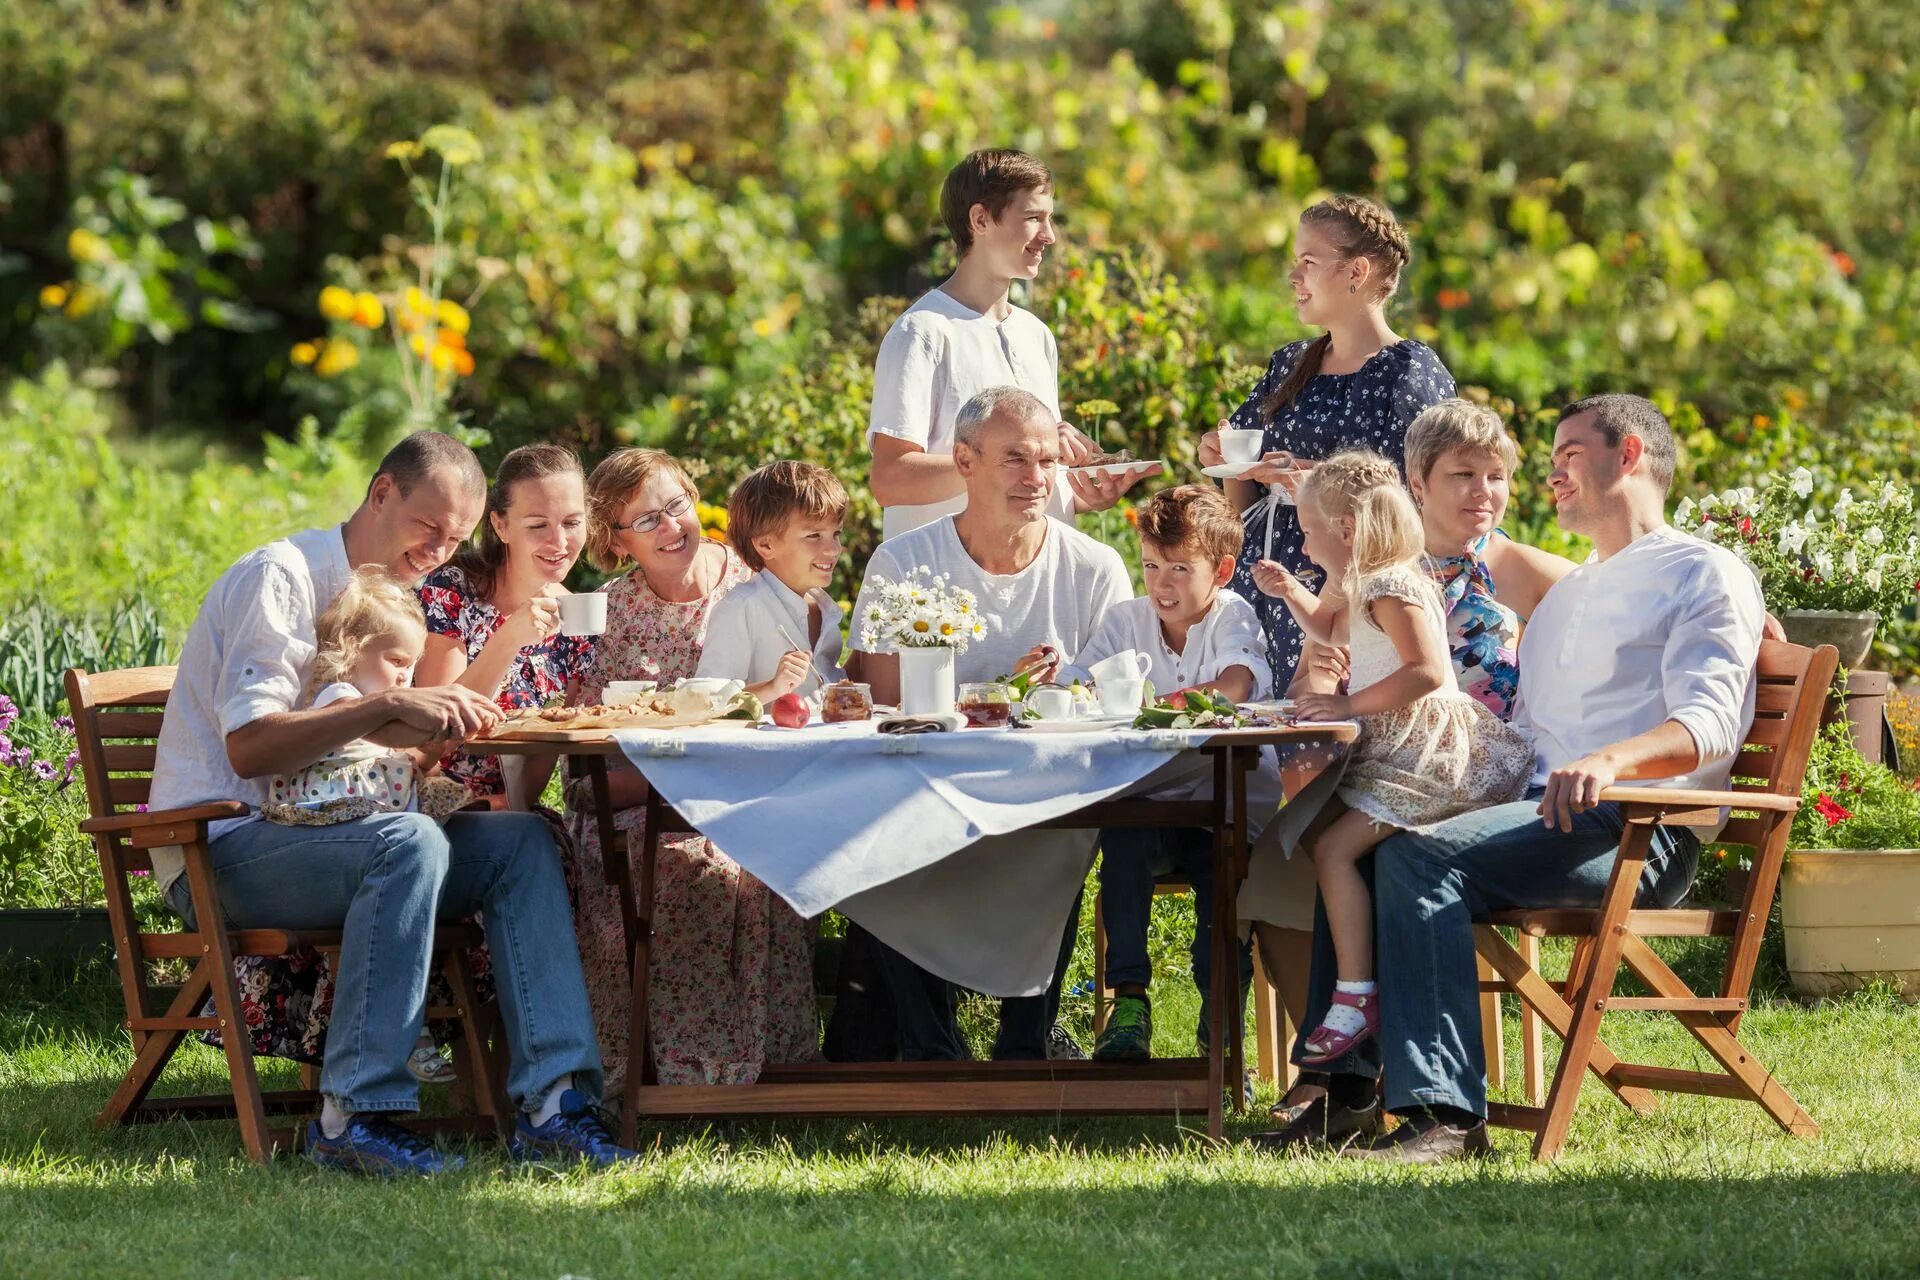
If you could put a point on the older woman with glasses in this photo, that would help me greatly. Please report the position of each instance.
(731, 981)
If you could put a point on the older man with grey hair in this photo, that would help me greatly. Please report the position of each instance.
(1042, 588)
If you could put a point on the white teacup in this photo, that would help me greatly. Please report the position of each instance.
(1051, 702)
(1238, 445)
(715, 687)
(1122, 695)
(1128, 664)
(583, 613)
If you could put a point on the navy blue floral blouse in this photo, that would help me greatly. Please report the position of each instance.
(1368, 408)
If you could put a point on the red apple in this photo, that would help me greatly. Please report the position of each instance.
(1177, 699)
(790, 711)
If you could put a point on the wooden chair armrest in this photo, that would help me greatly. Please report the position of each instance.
(1696, 808)
(212, 811)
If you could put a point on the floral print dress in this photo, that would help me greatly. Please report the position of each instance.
(730, 986)
(539, 675)
(1483, 635)
(1368, 408)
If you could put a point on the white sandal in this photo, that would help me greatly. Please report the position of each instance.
(427, 1066)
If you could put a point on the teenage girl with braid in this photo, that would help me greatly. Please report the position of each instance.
(1357, 385)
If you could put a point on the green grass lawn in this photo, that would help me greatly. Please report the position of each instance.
(1702, 1186)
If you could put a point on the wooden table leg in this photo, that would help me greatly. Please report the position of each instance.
(639, 1025)
(1240, 765)
(1223, 959)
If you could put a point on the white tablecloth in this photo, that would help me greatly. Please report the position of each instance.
(896, 832)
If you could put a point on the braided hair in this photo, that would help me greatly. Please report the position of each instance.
(1361, 484)
(1359, 228)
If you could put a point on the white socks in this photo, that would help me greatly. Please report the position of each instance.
(551, 1107)
(333, 1121)
(1344, 1018)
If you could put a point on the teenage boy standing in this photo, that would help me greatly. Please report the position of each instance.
(966, 336)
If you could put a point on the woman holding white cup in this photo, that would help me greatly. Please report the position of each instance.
(1357, 384)
(495, 613)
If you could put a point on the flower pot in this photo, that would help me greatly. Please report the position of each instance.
(61, 938)
(926, 680)
(1852, 916)
(1850, 633)
(1865, 710)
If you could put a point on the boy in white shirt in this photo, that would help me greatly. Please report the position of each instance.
(1197, 636)
(780, 630)
(966, 336)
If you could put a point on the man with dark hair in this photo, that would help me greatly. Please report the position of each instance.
(967, 336)
(238, 715)
(1644, 660)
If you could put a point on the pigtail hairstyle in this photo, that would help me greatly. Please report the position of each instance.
(1359, 228)
(374, 603)
(1361, 484)
(482, 564)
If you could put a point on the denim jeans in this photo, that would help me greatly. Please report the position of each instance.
(383, 881)
(1132, 859)
(1426, 891)
(924, 1007)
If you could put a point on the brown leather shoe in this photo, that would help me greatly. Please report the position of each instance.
(1324, 1126)
(1422, 1139)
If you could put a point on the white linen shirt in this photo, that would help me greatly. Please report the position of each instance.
(1667, 628)
(1059, 599)
(248, 655)
(743, 632)
(1229, 636)
(937, 356)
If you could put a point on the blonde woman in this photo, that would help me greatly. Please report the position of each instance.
(1427, 752)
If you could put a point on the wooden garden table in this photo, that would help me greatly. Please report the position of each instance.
(1158, 1087)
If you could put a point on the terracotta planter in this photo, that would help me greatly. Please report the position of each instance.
(1851, 633)
(1851, 916)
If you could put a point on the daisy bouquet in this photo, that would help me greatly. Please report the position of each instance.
(920, 611)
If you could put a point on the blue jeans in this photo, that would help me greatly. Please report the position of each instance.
(383, 881)
(1426, 891)
(1132, 859)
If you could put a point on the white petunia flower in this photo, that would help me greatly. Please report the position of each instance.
(1800, 482)
(1792, 538)
(1683, 514)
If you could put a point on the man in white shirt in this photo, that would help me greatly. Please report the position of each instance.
(1042, 588)
(1638, 665)
(235, 719)
(967, 336)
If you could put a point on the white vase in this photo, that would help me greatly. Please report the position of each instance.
(926, 680)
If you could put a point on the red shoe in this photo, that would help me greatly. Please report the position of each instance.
(1326, 1045)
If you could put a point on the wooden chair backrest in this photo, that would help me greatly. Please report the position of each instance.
(1792, 683)
(116, 723)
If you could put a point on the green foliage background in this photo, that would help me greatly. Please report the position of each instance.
(701, 217)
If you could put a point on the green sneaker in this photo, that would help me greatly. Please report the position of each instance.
(1129, 1033)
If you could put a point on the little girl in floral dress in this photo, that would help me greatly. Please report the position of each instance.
(366, 642)
(1427, 752)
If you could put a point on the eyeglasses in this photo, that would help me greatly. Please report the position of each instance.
(648, 521)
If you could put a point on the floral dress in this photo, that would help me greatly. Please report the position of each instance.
(1482, 634)
(540, 674)
(1368, 408)
(730, 986)
(1413, 766)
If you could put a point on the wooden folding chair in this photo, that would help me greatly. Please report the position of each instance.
(117, 717)
(1764, 795)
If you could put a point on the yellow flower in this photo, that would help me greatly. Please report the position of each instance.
(336, 303)
(87, 246)
(417, 301)
(463, 362)
(54, 296)
(84, 300)
(448, 338)
(303, 353)
(452, 315)
(368, 313)
(402, 150)
(337, 356)
(441, 357)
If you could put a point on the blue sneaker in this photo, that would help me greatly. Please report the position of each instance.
(575, 1132)
(374, 1145)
